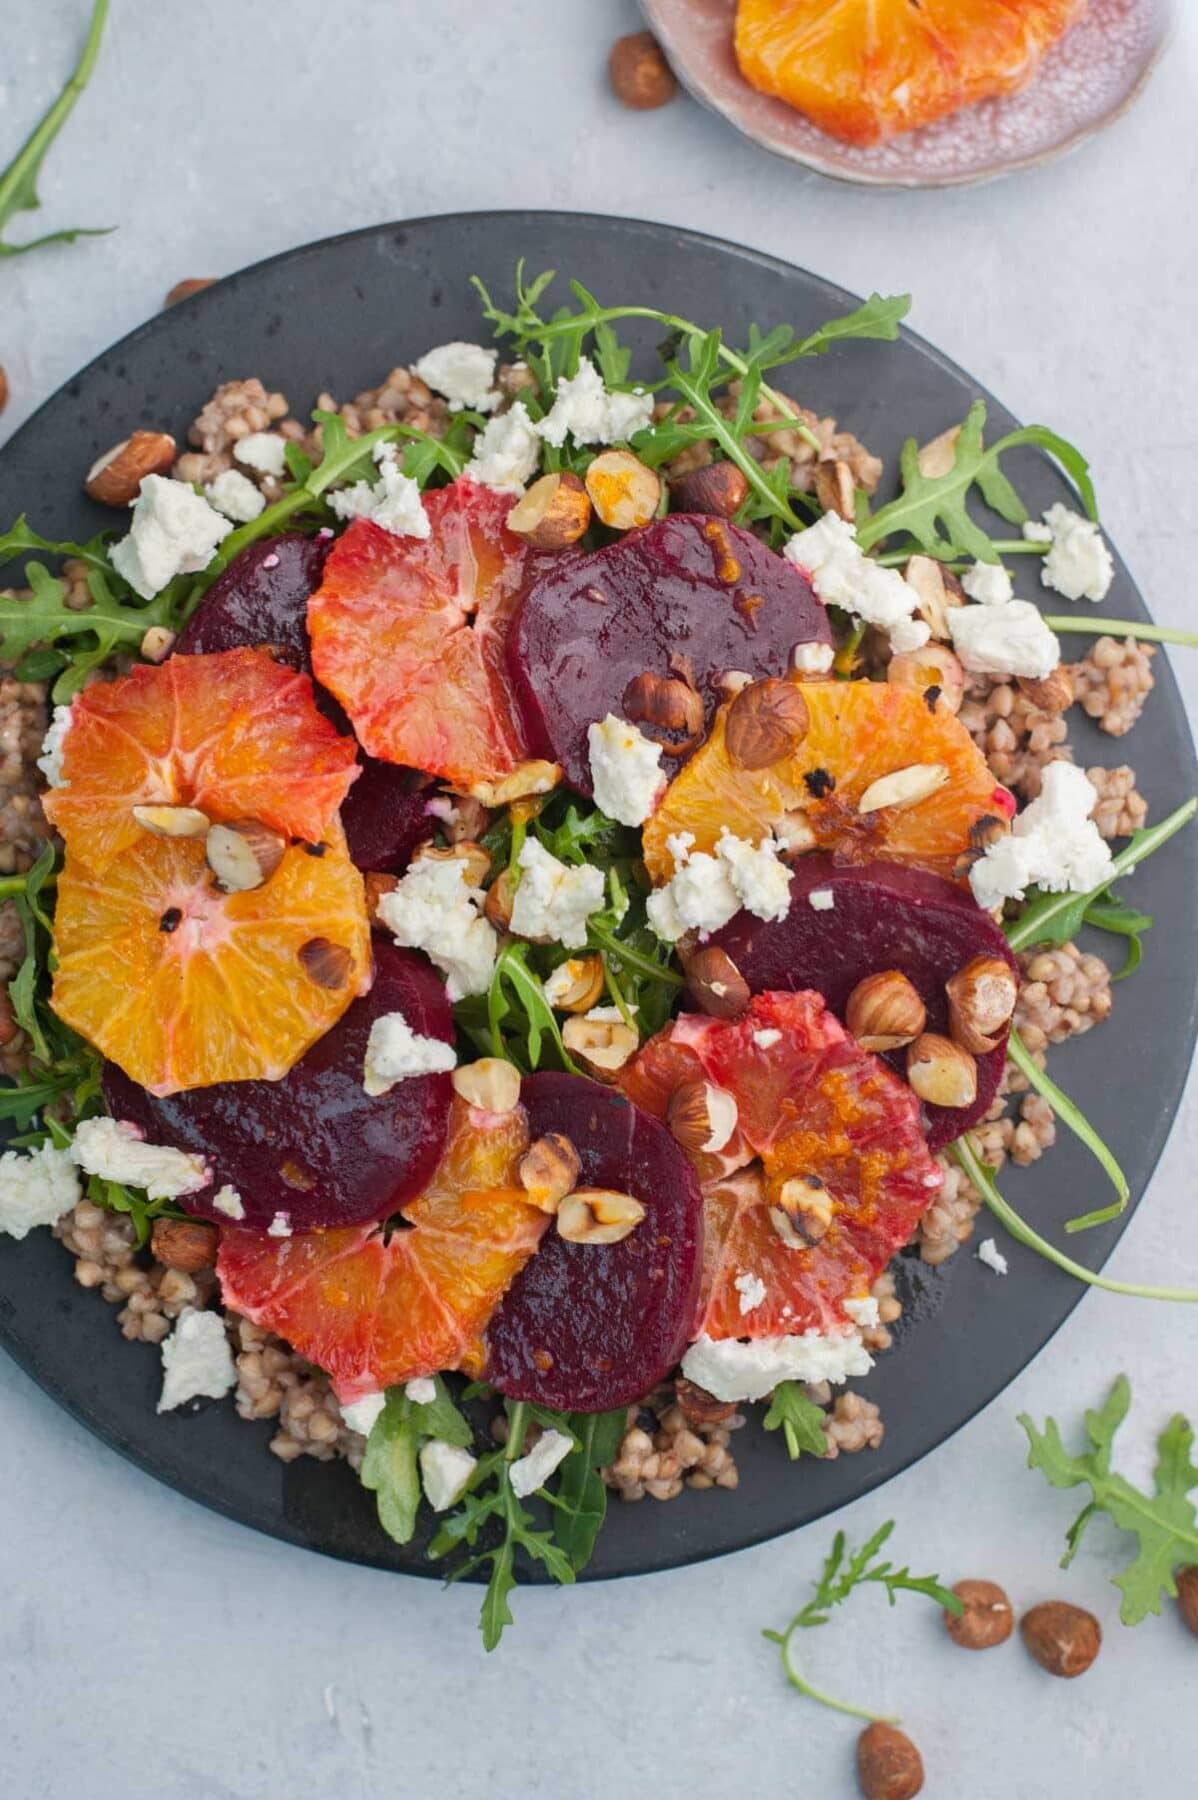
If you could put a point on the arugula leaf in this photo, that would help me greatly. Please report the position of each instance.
(1164, 1523)
(879, 317)
(1056, 918)
(390, 1468)
(18, 182)
(800, 1420)
(580, 1502)
(514, 1019)
(1072, 1116)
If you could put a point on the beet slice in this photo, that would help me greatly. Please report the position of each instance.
(315, 1145)
(262, 598)
(688, 586)
(588, 1327)
(884, 916)
(385, 815)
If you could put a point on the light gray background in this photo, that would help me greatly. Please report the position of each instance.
(147, 1645)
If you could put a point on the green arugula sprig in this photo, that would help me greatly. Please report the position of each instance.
(64, 1071)
(390, 1467)
(18, 182)
(799, 1419)
(845, 1571)
(1071, 1116)
(1164, 1523)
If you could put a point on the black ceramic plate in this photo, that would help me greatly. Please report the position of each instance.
(339, 315)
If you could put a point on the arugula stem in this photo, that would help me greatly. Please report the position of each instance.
(799, 1681)
(517, 1430)
(17, 189)
(1072, 1116)
(16, 884)
(1034, 930)
(1152, 634)
(891, 559)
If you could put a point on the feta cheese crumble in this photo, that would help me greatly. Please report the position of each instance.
(197, 1363)
(1053, 842)
(1008, 639)
(625, 769)
(989, 1253)
(751, 1289)
(988, 584)
(435, 909)
(733, 1370)
(265, 451)
(53, 745)
(36, 1188)
(812, 659)
(394, 1052)
(174, 532)
(765, 1040)
(364, 1414)
(280, 1226)
(591, 413)
(445, 1471)
(393, 502)
(116, 1150)
(821, 900)
(421, 1390)
(708, 889)
(842, 575)
(555, 899)
(235, 495)
(463, 373)
(1078, 563)
(228, 1201)
(507, 451)
(532, 1471)
(863, 1311)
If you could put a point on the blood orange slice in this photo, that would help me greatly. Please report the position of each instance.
(857, 733)
(409, 634)
(865, 69)
(236, 735)
(374, 1306)
(842, 1172)
(182, 985)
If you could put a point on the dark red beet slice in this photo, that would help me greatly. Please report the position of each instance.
(262, 598)
(686, 586)
(315, 1145)
(385, 815)
(884, 916)
(588, 1327)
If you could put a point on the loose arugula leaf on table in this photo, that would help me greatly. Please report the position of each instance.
(845, 1571)
(18, 182)
(1164, 1523)
(799, 1419)
(390, 1467)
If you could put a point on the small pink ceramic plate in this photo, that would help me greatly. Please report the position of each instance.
(1092, 76)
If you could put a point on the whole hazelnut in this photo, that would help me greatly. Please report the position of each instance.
(884, 1012)
(715, 984)
(987, 1619)
(1187, 1596)
(767, 721)
(718, 487)
(639, 73)
(186, 1244)
(889, 1767)
(1064, 1639)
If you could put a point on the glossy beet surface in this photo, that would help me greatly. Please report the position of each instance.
(315, 1145)
(688, 587)
(884, 916)
(262, 598)
(385, 815)
(587, 1327)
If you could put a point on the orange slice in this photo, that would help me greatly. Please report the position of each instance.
(374, 1305)
(236, 735)
(182, 985)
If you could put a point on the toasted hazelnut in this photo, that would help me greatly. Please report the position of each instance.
(934, 671)
(937, 457)
(115, 478)
(664, 703)
(327, 963)
(576, 985)
(938, 589)
(701, 1116)
(940, 1072)
(718, 487)
(186, 1244)
(604, 1045)
(624, 491)
(598, 1216)
(526, 778)
(8, 1024)
(889, 1767)
(501, 897)
(1053, 693)
(3, 387)
(987, 1619)
(157, 644)
(767, 721)
(243, 854)
(475, 860)
(715, 984)
(904, 787)
(491, 1084)
(806, 1205)
(1187, 1596)
(639, 74)
(470, 819)
(981, 1001)
(698, 1406)
(554, 513)
(549, 1170)
(1064, 1639)
(172, 821)
(732, 682)
(834, 488)
(377, 884)
(884, 1012)
(183, 290)
(793, 833)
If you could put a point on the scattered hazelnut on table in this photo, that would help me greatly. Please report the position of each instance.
(1187, 1596)
(3, 388)
(1064, 1639)
(639, 73)
(183, 290)
(889, 1767)
(987, 1620)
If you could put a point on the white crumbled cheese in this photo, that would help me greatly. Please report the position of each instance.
(445, 1471)
(364, 1414)
(555, 899)
(435, 909)
(1078, 563)
(235, 495)
(908, 635)
(197, 1363)
(463, 373)
(265, 451)
(174, 532)
(765, 1040)
(751, 1289)
(708, 889)
(732, 1370)
(530, 1472)
(421, 1391)
(762, 883)
(116, 1150)
(591, 414)
(228, 1201)
(280, 1226)
(394, 1052)
(507, 451)
(36, 1188)
(53, 744)
(842, 575)
(393, 502)
(1053, 842)
(989, 584)
(863, 1311)
(812, 659)
(821, 900)
(625, 770)
(989, 1253)
(1011, 639)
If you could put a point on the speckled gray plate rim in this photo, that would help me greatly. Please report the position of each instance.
(391, 292)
